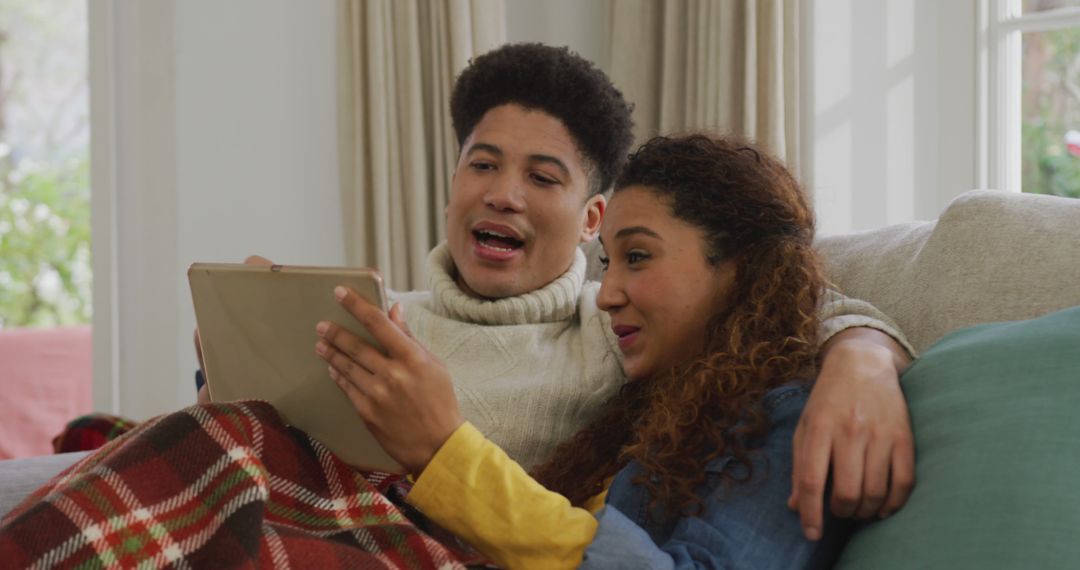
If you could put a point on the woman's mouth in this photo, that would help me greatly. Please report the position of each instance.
(627, 335)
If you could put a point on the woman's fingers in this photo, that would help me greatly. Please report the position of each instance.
(353, 393)
(351, 345)
(378, 324)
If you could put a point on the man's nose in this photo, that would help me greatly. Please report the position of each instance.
(505, 194)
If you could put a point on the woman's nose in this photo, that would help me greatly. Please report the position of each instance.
(611, 295)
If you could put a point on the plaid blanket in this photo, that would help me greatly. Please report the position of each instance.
(89, 432)
(219, 485)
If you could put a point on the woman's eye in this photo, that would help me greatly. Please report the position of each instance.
(604, 262)
(635, 257)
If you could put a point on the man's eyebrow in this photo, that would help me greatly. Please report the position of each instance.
(552, 161)
(486, 147)
(545, 158)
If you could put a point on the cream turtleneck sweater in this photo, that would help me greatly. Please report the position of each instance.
(530, 371)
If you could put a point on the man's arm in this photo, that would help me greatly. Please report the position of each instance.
(856, 420)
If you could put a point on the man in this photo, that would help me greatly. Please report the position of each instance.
(542, 134)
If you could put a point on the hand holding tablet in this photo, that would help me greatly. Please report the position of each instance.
(257, 329)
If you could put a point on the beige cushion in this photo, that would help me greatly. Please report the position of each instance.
(992, 256)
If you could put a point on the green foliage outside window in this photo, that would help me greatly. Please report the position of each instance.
(44, 244)
(45, 274)
(1051, 108)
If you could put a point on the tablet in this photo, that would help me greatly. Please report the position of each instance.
(257, 329)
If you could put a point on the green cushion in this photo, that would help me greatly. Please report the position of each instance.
(996, 414)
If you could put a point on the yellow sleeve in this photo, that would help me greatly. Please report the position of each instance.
(474, 490)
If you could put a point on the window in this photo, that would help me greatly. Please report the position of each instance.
(1030, 104)
(45, 279)
(44, 168)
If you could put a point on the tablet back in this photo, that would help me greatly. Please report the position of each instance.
(257, 327)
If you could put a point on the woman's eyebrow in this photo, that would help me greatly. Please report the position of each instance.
(637, 230)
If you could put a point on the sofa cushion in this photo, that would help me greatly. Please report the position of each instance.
(994, 410)
(20, 477)
(991, 256)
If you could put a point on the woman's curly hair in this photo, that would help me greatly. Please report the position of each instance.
(752, 210)
(559, 83)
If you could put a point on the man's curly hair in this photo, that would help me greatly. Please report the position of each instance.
(751, 210)
(559, 83)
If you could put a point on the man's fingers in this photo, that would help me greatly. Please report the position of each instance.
(849, 459)
(875, 479)
(392, 338)
(797, 464)
(810, 486)
(903, 477)
(257, 260)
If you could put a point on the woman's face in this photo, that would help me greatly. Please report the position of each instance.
(659, 288)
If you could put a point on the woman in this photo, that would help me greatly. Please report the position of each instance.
(712, 287)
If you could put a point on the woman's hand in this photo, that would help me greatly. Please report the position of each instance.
(857, 421)
(405, 395)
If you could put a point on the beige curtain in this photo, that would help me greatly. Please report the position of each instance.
(729, 65)
(397, 60)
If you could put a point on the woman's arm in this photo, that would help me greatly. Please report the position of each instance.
(474, 490)
(465, 483)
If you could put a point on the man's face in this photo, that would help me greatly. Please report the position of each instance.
(519, 203)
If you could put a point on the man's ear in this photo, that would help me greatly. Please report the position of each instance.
(594, 214)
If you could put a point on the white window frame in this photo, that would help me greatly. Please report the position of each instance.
(1001, 23)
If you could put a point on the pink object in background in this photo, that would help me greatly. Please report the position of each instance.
(1072, 142)
(45, 382)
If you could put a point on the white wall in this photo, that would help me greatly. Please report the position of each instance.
(889, 109)
(214, 137)
(888, 101)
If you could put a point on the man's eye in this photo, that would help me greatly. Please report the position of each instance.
(544, 180)
(482, 166)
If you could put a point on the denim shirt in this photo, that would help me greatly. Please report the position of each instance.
(745, 524)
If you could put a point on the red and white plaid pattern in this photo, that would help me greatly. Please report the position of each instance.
(221, 485)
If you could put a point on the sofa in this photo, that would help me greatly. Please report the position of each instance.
(990, 257)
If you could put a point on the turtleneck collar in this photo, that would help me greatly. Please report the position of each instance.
(553, 302)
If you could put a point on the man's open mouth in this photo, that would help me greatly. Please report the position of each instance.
(497, 241)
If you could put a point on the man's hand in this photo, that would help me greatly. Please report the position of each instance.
(203, 396)
(857, 419)
(405, 395)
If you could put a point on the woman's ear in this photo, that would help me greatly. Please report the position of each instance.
(594, 214)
